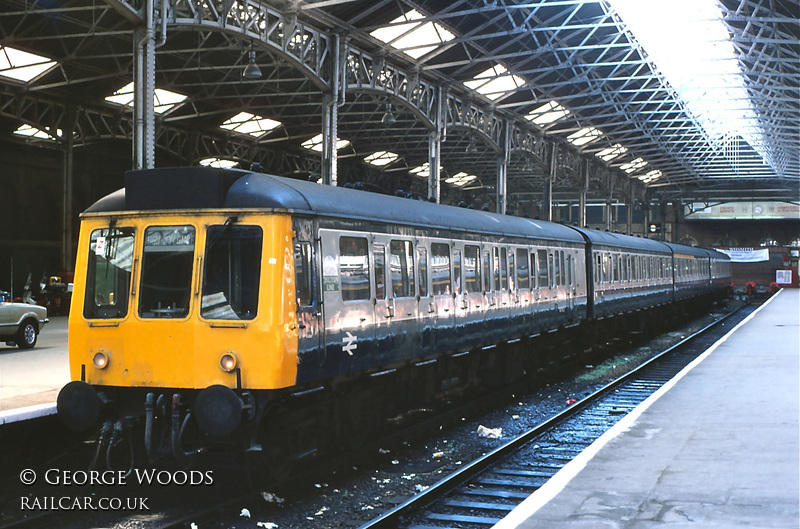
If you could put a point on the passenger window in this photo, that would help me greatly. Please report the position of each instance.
(495, 269)
(487, 280)
(354, 268)
(457, 270)
(550, 270)
(556, 273)
(533, 270)
(302, 273)
(503, 269)
(401, 266)
(522, 269)
(563, 275)
(472, 280)
(422, 261)
(511, 271)
(440, 269)
(544, 280)
(379, 257)
(569, 270)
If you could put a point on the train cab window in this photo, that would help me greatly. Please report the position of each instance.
(302, 273)
(232, 271)
(108, 278)
(354, 268)
(503, 269)
(523, 279)
(544, 278)
(379, 256)
(472, 276)
(440, 269)
(487, 278)
(422, 262)
(533, 270)
(401, 266)
(167, 264)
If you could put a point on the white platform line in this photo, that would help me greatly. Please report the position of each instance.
(556, 484)
(28, 412)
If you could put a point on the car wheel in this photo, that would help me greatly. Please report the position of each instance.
(27, 334)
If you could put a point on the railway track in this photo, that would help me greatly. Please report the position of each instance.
(481, 493)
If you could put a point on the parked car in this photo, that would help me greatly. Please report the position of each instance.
(20, 323)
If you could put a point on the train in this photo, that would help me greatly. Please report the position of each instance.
(231, 311)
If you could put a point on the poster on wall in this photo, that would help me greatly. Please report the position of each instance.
(783, 277)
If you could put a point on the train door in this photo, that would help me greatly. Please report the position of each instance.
(472, 290)
(443, 298)
(402, 299)
(522, 300)
(383, 307)
(427, 305)
(309, 313)
(349, 312)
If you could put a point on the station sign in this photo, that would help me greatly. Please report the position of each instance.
(749, 210)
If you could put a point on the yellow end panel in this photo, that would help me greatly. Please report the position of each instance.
(186, 352)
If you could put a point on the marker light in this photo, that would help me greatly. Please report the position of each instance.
(100, 360)
(228, 362)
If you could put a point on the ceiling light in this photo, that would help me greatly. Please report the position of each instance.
(388, 118)
(252, 71)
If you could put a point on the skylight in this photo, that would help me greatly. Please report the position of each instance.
(495, 82)
(652, 176)
(315, 143)
(611, 152)
(218, 162)
(33, 132)
(162, 99)
(632, 166)
(21, 65)
(247, 123)
(584, 136)
(407, 34)
(460, 179)
(691, 46)
(421, 170)
(547, 113)
(381, 158)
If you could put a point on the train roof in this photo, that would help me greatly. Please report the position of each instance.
(204, 187)
(619, 240)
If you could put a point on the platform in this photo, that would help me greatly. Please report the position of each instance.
(30, 379)
(718, 447)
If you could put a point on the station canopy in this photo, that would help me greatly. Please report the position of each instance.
(688, 98)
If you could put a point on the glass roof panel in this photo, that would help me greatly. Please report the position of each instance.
(495, 82)
(633, 165)
(247, 123)
(584, 136)
(21, 65)
(407, 36)
(460, 179)
(163, 100)
(315, 143)
(547, 113)
(692, 48)
(381, 158)
(611, 152)
(218, 162)
(33, 132)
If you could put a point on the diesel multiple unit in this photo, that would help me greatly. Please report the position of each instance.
(230, 308)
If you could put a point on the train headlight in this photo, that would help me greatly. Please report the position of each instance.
(228, 362)
(100, 360)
